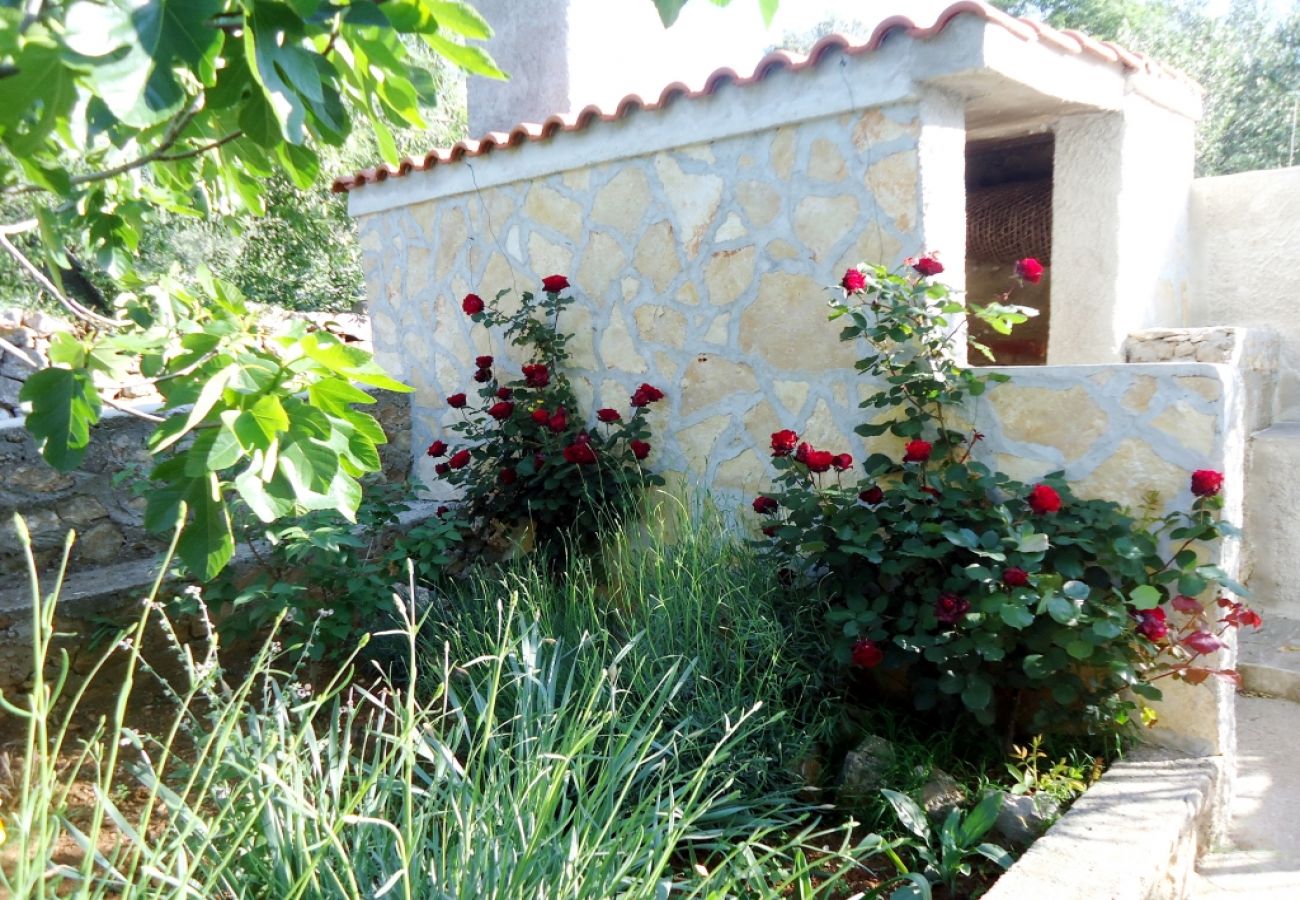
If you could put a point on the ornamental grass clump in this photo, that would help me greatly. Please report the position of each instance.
(1021, 604)
(527, 454)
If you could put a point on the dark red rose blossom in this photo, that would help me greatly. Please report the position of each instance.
(441, 511)
(483, 362)
(537, 375)
(783, 442)
(539, 460)
(815, 460)
(1189, 605)
(949, 608)
(1152, 625)
(640, 449)
(553, 284)
(502, 410)
(866, 654)
(472, 304)
(785, 577)
(1206, 482)
(582, 438)
(646, 394)
(437, 448)
(459, 460)
(442, 468)
(872, 495)
(917, 451)
(507, 476)
(926, 265)
(853, 281)
(559, 420)
(608, 415)
(769, 530)
(483, 376)
(540, 416)
(766, 505)
(1014, 576)
(842, 461)
(580, 454)
(1043, 499)
(1202, 642)
(1029, 269)
(456, 401)
(504, 393)
(932, 491)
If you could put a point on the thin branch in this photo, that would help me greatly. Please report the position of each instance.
(199, 151)
(49, 287)
(18, 354)
(22, 227)
(180, 373)
(131, 410)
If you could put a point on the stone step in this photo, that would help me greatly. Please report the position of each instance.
(1269, 659)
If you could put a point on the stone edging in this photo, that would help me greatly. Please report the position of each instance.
(1135, 835)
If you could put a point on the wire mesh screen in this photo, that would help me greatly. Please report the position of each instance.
(1007, 222)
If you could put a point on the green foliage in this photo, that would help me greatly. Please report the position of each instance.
(669, 10)
(946, 853)
(1062, 780)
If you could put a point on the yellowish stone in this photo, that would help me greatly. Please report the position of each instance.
(630, 287)
(728, 274)
(892, 182)
(584, 392)
(783, 147)
(547, 258)
(760, 201)
(418, 273)
(694, 199)
(730, 229)
(778, 250)
(369, 237)
(746, 472)
(601, 262)
(616, 347)
(547, 206)
(696, 442)
(661, 325)
(1209, 388)
(490, 210)
(577, 179)
(383, 329)
(656, 256)
(820, 222)
(624, 202)
(666, 367)
(1138, 397)
(718, 330)
(1194, 430)
(582, 347)
(426, 216)
(792, 394)
(1103, 377)
(761, 422)
(1022, 469)
(824, 430)
(1129, 473)
(874, 246)
(825, 162)
(699, 152)
(687, 295)
(785, 325)
(710, 379)
(874, 127)
(452, 236)
(1068, 420)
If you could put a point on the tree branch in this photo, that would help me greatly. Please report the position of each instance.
(22, 227)
(18, 354)
(199, 151)
(49, 287)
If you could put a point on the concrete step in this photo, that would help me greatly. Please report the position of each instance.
(1269, 659)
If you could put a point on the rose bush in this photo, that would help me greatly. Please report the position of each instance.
(1023, 604)
(531, 456)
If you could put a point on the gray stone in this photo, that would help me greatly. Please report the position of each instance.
(44, 323)
(941, 794)
(9, 388)
(1024, 817)
(39, 478)
(82, 511)
(866, 768)
(101, 543)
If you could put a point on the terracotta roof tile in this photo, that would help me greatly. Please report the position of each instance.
(1064, 41)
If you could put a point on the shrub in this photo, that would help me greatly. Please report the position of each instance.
(1021, 603)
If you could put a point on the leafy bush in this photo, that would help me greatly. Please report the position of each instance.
(1023, 604)
(534, 458)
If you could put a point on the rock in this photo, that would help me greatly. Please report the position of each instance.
(9, 388)
(44, 323)
(1024, 817)
(941, 794)
(866, 767)
(101, 543)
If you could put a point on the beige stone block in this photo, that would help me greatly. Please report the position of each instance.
(370, 238)
(426, 217)
(729, 273)
(601, 262)
(547, 258)
(694, 199)
(624, 202)
(584, 392)
(697, 441)
(630, 287)
(782, 152)
(419, 274)
(582, 346)
(893, 183)
(383, 328)
(700, 153)
(656, 255)
(792, 394)
(718, 330)
(760, 201)
(1209, 388)
(1138, 397)
(616, 347)
(874, 246)
(820, 222)
(778, 250)
(1103, 377)
(825, 431)
(1194, 430)
(746, 472)
(889, 444)
(666, 366)
(687, 295)
(1020, 468)
(577, 179)
(786, 325)
(711, 379)
(453, 232)
(1129, 473)
(826, 162)
(661, 325)
(874, 127)
(490, 210)
(1069, 420)
(730, 229)
(547, 206)
(761, 421)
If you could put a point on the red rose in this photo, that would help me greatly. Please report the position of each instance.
(765, 505)
(1188, 605)
(558, 421)
(1029, 269)
(442, 468)
(783, 442)
(540, 416)
(769, 530)
(582, 438)
(537, 375)
(1043, 499)
(853, 281)
(842, 462)
(502, 410)
(472, 304)
(917, 451)
(504, 393)
(1206, 482)
(872, 495)
(646, 394)
(1202, 642)
(456, 401)
(1151, 624)
(866, 654)
(1242, 615)
(459, 460)
(580, 454)
(483, 362)
(640, 449)
(949, 608)
(483, 376)
(437, 448)
(441, 511)
(932, 491)
(553, 284)
(1014, 576)
(815, 460)
(507, 476)
(926, 265)
(608, 415)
